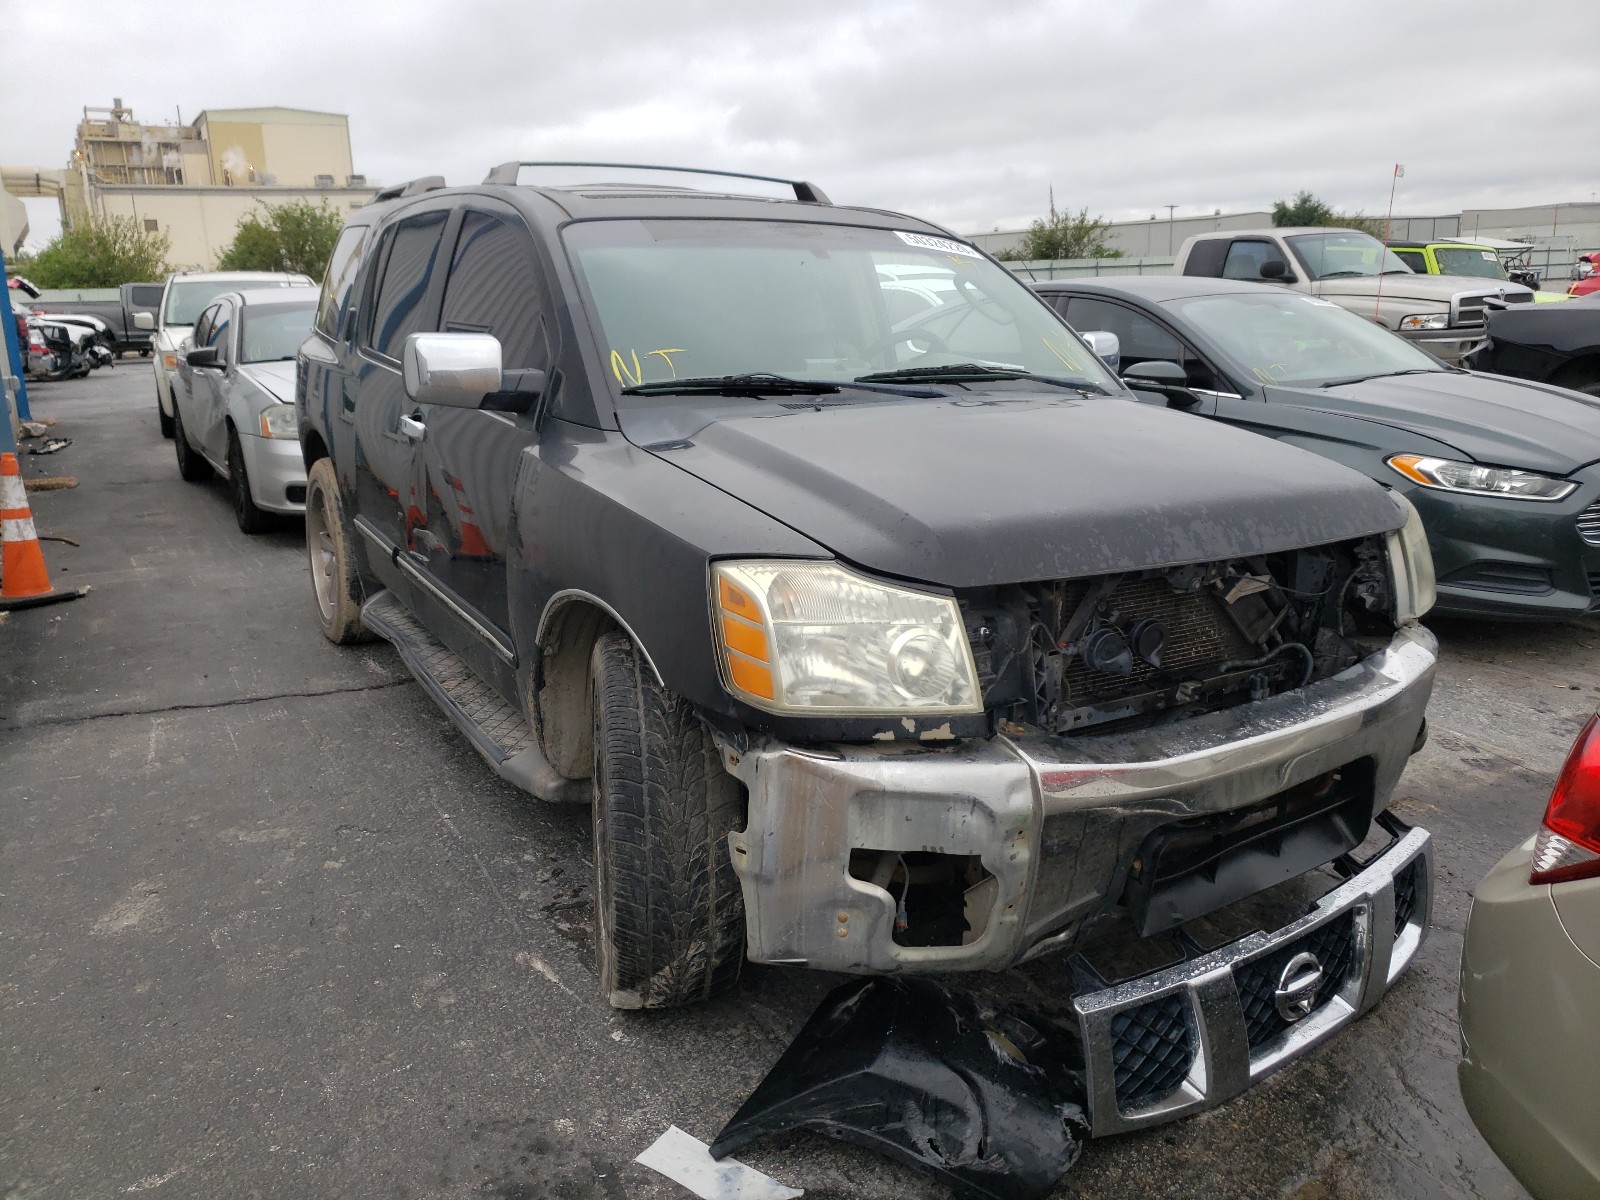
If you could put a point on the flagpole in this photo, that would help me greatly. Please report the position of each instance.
(1388, 226)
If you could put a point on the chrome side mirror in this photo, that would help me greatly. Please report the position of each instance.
(144, 320)
(1107, 347)
(454, 369)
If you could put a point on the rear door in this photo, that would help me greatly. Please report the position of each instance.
(469, 459)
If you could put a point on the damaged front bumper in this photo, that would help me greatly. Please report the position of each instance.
(1053, 830)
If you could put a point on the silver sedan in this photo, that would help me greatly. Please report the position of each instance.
(234, 408)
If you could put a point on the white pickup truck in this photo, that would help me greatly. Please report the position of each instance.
(1441, 313)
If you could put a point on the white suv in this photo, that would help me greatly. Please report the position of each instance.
(182, 300)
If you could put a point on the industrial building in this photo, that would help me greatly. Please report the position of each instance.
(193, 181)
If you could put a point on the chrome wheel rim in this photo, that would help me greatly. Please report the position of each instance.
(319, 546)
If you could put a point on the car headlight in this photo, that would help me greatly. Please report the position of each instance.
(279, 422)
(1478, 480)
(809, 637)
(1411, 561)
(1426, 321)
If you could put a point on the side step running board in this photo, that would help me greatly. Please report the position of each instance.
(495, 729)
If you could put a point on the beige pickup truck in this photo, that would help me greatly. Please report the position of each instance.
(1441, 313)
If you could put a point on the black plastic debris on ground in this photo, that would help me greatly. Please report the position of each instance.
(991, 1102)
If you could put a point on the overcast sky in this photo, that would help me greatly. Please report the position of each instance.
(962, 111)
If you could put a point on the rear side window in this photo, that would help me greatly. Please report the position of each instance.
(145, 297)
(1413, 259)
(493, 289)
(339, 281)
(1205, 258)
(412, 246)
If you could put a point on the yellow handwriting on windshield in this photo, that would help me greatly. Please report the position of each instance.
(1068, 359)
(630, 372)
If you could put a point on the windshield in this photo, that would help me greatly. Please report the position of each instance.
(187, 300)
(707, 299)
(273, 332)
(1344, 255)
(1283, 338)
(1469, 260)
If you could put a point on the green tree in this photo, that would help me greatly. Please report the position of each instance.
(1306, 209)
(99, 252)
(296, 236)
(1062, 235)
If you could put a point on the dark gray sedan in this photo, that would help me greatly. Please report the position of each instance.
(1505, 473)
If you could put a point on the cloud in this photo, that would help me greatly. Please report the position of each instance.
(959, 110)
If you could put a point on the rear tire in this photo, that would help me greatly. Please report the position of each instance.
(334, 582)
(166, 422)
(251, 519)
(669, 915)
(190, 465)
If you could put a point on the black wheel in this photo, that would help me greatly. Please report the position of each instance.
(161, 414)
(334, 580)
(669, 916)
(190, 465)
(251, 519)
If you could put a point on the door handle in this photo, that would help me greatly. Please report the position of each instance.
(412, 429)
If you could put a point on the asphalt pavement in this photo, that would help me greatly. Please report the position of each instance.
(269, 927)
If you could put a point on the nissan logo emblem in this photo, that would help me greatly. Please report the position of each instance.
(1296, 993)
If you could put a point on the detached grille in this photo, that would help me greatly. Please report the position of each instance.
(1152, 1049)
(1334, 946)
(1405, 896)
(1589, 524)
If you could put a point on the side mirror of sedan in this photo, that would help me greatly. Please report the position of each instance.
(143, 320)
(1167, 378)
(206, 356)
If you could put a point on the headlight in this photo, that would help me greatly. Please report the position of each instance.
(1426, 321)
(1411, 561)
(808, 636)
(279, 422)
(1478, 480)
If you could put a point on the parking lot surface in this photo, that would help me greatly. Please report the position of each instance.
(269, 926)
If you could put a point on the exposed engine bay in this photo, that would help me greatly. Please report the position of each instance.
(1141, 648)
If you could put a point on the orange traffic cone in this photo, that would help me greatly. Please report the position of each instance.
(23, 580)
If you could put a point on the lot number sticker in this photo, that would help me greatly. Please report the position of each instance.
(942, 245)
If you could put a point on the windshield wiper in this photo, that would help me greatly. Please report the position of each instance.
(1384, 375)
(1343, 275)
(975, 373)
(757, 383)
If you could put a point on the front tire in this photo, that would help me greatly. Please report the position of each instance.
(334, 582)
(190, 465)
(669, 915)
(251, 519)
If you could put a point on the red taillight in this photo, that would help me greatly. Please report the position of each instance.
(1568, 845)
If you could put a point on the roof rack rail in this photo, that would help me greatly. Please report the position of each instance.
(806, 193)
(428, 183)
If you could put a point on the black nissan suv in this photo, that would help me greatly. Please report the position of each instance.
(883, 631)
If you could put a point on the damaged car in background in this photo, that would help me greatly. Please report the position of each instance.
(884, 631)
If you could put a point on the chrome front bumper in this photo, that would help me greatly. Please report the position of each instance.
(1210, 1025)
(1055, 822)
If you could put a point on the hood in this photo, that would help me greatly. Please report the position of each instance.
(1491, 419)
(1418, 287)
(274, 377)
(1008, 488)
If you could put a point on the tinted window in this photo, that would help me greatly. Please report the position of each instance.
(144, 297)
(408, 267)
(1205, 258)
(202, 327)
(218, 334)
(341, 276)
(492, 289)
(1245, 259)
(1413, 259)
(1142, 339)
